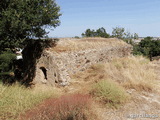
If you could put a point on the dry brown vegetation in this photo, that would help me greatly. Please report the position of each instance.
(130, 72)
(113, 80)
(111, 85)
(66, 107)
(86, 43)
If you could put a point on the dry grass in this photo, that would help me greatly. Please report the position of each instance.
(130, 72)
(110, 79)
(16, 99)
(110, 93)
(86, 43)
(68, 107)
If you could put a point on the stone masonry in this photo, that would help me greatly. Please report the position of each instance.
(54, 68)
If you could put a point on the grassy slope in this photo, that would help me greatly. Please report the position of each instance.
(130, 72)
(112, 79)
(15, 99)
(121, 74)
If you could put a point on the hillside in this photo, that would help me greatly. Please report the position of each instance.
(138, 77)
(103, 82)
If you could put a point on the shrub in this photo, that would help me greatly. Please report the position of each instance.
(77, 37)
(6, 65)
(6, 61)
(109, 92)
(101, 32)
(69, 107)
(148, 47)
(72, 107)
(7, 78)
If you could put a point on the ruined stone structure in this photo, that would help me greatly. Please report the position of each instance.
(54, 65)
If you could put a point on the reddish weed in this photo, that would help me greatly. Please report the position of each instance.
(69, 107)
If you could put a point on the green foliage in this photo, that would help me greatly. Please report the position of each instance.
(6, 66)
(135, 36)
(88, 33)
(77, 37)
(136, 50)
(129, 41)
(6, 61)
(126, 36)
(148, 47)
(118, 32)
(110, 93)
(121, 33)
(101, 32)
(23, 19)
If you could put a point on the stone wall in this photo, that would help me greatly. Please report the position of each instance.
(53, 68)
(47, 71)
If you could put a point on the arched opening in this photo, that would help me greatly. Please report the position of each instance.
(44, 72)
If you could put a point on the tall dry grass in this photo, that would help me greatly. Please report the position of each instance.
(86, 43)
(16, 99)
(110, 79)
(130, 72)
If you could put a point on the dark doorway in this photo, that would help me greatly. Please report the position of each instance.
(44, 72)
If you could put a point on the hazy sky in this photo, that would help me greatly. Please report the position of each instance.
(140, 16)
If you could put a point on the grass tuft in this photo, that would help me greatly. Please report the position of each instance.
(110, 93)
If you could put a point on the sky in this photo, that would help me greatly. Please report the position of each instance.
(136, 16)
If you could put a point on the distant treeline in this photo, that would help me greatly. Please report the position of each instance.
(149, 46)
(118, 32)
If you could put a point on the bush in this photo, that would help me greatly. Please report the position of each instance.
(101, 32)
(69, 107)
(110, 93)
(6, 66)
(77, 37)
(148, 47)
(6, 61)
(7, 78)
(72, 107)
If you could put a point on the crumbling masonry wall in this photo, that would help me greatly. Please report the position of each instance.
(53, 68)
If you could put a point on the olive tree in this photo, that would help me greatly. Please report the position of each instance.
(25, 19)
